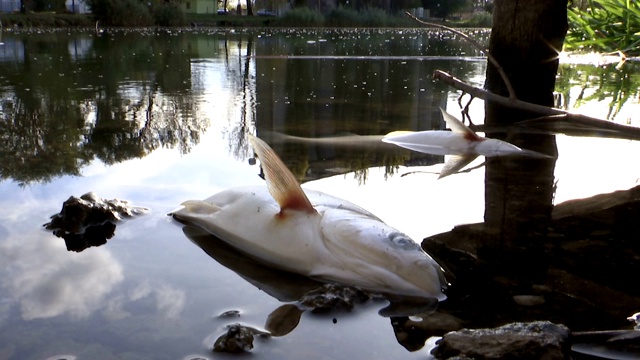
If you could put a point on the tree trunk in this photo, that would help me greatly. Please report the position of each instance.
(249, 8)
(526, 38)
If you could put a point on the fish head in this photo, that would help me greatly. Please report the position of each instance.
(381, 257)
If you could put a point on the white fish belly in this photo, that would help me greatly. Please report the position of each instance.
(248, 220)
(341, 242)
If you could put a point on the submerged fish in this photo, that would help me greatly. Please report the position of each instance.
(315, 234)
(461, 142)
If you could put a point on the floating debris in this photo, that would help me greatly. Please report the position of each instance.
(283, 320)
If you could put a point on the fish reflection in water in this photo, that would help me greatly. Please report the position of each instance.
(412, 319)
(461, 142)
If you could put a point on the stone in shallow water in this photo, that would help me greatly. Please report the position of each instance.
(329, 297)
(523, 341)
(90, 220)
(237, 339)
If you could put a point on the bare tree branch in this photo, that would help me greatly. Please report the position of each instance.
(505, 78)
(552, 120)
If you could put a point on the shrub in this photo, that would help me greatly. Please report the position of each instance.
(368, 17)
(343, 17)
(481, 20)
(121, 12)
(302, 16)
(374, 17)
(168, 14)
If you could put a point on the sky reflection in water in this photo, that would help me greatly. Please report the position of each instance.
(151, 293)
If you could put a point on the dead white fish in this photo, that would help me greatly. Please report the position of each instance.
(461, 142)
(315, 234)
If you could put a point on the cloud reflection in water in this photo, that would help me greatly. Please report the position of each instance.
(46, 281)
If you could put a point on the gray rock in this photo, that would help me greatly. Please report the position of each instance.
(536, 340)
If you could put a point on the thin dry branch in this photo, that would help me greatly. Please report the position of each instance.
(489, 96)
(552, 120)
(492, 60)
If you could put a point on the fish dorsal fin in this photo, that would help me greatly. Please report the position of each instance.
(458, 127)
(281, 183)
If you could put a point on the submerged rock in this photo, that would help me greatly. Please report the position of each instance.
(330, 296)
(90, 220)
(238, 338)
(536, 340)
(576, 271)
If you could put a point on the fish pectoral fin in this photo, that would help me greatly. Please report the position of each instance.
(456, 163)
(200, 207)
(282, 185)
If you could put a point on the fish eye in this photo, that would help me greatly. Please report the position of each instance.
(402, 241)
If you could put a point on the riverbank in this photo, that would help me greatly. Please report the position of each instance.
(51, 20)
(45, 20)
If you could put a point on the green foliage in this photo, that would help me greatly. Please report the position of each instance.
(302, 16)
(481, 20)
(374, 17)
(605, 26)
(609, 83)
(367, 17)
(29, 20)
(343, 17)
(137, 12)
(48, 5)
(168, 14)
(121, 12)
(443, 8)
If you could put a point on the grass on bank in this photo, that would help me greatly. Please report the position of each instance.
(605, 26)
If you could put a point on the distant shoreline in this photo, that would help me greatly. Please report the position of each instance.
(55, 20)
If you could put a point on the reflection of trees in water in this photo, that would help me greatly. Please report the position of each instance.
(611, 83)
(124, 99)
(240, 69)
(373, 88)
(32, 147)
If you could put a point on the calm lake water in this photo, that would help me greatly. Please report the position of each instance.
(160, 117)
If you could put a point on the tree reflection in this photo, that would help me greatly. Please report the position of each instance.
(241, 73)
(351, 82)
(616, 85)
(119, 98)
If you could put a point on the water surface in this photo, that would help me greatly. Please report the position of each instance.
(159, 117)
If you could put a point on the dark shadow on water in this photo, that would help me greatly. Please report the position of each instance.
(530, 260)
